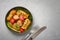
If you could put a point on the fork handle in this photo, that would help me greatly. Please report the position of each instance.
(27, 36)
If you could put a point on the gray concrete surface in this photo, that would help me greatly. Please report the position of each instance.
(45, 12)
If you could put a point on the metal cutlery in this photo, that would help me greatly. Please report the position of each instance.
(35, 31)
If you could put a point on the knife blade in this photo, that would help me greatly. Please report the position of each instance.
(37, 33)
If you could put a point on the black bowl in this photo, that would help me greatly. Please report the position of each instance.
(19, 8)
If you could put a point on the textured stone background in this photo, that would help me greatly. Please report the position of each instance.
(45, 12)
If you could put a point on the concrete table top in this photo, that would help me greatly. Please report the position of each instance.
(45, 12)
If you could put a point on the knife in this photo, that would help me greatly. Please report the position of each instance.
(37, 33)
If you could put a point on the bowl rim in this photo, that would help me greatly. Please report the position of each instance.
(13, 28)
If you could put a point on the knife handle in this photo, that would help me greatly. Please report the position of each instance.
(30, 38)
